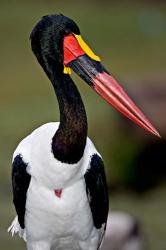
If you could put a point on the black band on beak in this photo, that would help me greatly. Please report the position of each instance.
(108, 88)
(86, 68)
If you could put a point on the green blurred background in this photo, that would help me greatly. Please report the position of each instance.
(130, 37)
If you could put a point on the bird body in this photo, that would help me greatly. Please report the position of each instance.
(59, 184)
(52, 217)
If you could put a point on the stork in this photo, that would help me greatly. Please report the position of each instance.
(59, 184)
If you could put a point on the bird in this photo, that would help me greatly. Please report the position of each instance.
(123, 232)
(58, 178)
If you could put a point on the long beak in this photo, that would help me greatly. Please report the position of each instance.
(89, 68)
(106, 86)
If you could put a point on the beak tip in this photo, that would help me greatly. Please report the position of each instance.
(158, 135)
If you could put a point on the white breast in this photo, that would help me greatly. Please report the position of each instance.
(54, 217)
(37, 153)
(46, 214)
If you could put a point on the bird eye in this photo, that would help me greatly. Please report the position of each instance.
(67, 31)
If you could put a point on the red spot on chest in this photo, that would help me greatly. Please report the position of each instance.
(58, 193)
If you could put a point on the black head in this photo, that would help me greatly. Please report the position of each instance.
(47, 40)
(58, 46)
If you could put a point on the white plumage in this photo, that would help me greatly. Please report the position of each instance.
(52, 220)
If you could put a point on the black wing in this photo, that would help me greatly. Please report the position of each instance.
(20, 183)
(97, 192)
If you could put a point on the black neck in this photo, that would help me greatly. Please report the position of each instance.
(69, 141)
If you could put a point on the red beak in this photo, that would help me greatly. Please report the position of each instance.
(107, 87)
(103, 83)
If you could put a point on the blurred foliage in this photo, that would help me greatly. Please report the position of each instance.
(130, 38)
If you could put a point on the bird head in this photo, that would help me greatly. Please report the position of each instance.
(59, 47)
